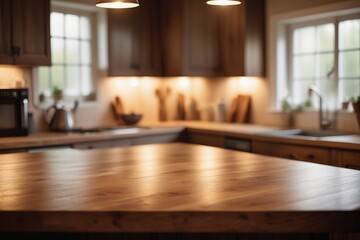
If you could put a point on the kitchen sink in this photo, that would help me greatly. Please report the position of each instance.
(307, 133)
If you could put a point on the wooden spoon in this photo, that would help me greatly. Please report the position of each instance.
(162, 95)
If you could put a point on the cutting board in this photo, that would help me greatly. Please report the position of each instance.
(240, 109)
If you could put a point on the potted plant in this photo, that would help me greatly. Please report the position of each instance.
(57, 93)
(345, 103)
(289, 109)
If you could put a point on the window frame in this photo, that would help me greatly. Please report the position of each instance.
(97, 25)
(290, 54)
(278, 42)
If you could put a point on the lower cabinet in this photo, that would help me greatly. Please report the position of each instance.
(323, 155)
(347, 159)
(173, 236)
(165, 138)
(206, 139)
(240, 144)
(102, 144)
(330, 156)
(155, 139)
(295, 152)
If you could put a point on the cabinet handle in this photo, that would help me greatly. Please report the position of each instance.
(293, 156)
(311, 157)
(216, 69)
(16, 50)
(135, 66)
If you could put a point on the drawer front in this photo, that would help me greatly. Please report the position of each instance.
(204, 139)
(93, 145)
(238, 144)
(295, 152)
(350, 159)
(155, 139)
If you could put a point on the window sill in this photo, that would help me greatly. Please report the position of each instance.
(279, 111)
(67, 104)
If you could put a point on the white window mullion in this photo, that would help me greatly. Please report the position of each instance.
(336, 63)
(67, 64)
(290, 56)
(314, 39)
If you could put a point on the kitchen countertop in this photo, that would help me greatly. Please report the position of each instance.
(174, 187)
(48, 139)
(249, 131)
(260, 133)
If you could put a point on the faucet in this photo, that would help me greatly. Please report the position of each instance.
(323, 123)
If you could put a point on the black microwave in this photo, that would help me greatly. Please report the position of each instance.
(14, 112)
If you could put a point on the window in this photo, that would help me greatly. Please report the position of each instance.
(73, 55)
(312, 59)
(324, 52)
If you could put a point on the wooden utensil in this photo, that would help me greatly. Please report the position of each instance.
(181, 114)
(162, 95)
(117, 106)
(243, 111)
(233, 110)
(194, 113)
(240, 109)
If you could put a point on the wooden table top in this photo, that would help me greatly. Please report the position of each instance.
(174, 187)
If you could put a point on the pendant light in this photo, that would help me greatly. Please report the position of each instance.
(117, 3)
(223, 2)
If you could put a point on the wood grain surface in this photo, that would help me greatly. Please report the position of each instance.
(174, 188)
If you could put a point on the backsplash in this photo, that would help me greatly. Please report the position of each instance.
(13, 77)
(138, 95)
(204, 93)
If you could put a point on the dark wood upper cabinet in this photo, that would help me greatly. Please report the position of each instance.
(204, 40)
(134, 40)
(5, 31)
(187, 38)
(25, 32)
(191, 39)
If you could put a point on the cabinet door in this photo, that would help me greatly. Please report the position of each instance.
(349, 159)
(166, 138)
(243, 33)
(253, 59)
(93, 145)
(134, 41)
(5, 32)
(206, 139)
(294, 152)
(190, 31)
(31, 32)
(202, 39)
(205, 40)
